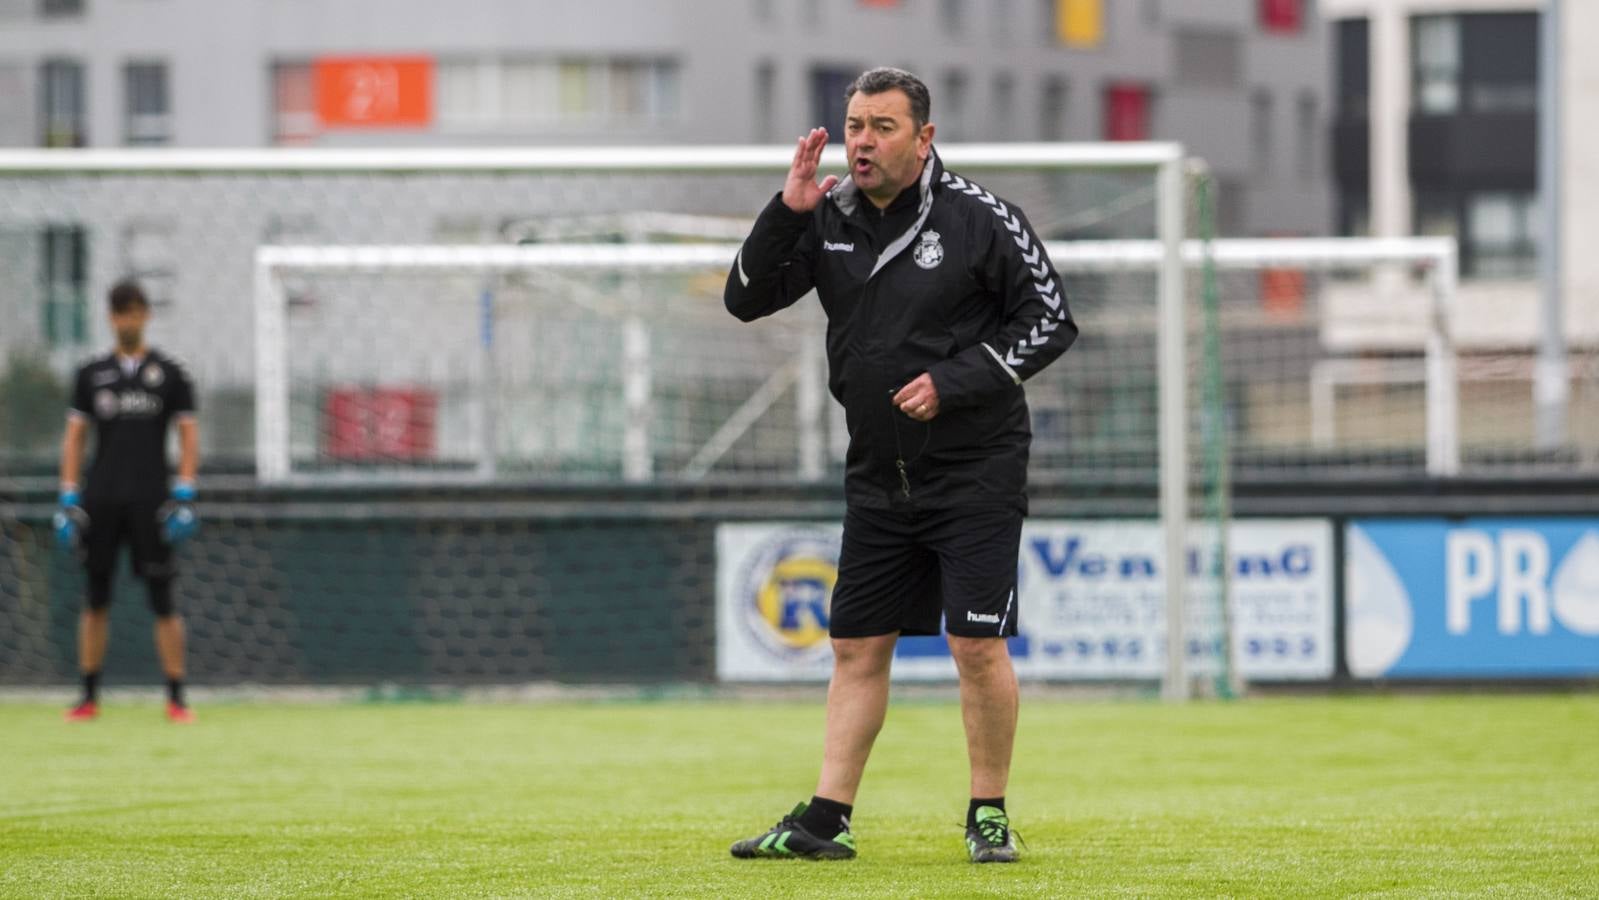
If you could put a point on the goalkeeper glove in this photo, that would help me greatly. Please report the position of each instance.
(179, 521)
(70, 521)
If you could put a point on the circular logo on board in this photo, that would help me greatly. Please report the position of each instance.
(786, 594)
(153, 375)
(929, 252)
(105, 403)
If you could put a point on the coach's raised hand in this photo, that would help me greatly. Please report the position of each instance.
(801, 193)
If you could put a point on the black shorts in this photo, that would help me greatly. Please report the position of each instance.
(901, 572)
(134, 521)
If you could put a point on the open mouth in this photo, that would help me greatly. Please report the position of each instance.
(862, 166)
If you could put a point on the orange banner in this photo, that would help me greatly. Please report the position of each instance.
(374, 92)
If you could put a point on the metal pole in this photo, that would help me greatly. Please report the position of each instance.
(1551, 387)
(1171, 339)
(1443, 378)
(271, 379)
(488, 386)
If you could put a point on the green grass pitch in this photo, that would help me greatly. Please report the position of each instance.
(1375, 796)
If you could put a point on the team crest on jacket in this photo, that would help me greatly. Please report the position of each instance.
(153, 376)
(929, 252)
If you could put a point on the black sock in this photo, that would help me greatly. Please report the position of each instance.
(826, 818)
(91, 687)
(175, 691)
(971, 810)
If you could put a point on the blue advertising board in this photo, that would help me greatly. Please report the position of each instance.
(1472, 598)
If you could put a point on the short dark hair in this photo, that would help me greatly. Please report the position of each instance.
(126, 294)
(888, 78)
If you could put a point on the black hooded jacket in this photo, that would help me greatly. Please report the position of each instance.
(964, 292)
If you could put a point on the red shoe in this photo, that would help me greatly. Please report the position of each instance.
(83, 712)
(180, 715)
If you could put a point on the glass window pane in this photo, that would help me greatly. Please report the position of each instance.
(1493, 219)
(529, 90)
(1438, 42)
(576, 89)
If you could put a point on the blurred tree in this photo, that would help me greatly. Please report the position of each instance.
(32, 399)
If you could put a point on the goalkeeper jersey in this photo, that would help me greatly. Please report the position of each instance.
(129, 403)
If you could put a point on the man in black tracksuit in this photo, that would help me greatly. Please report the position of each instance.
(940, 302)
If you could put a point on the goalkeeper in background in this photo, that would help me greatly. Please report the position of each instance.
(128, 397)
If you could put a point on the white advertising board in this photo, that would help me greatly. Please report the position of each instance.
(1090, 600)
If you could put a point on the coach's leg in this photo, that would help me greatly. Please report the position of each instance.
(988, 709)
(857, 701)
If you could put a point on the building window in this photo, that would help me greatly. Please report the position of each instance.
(1354, 215)
(501, 94)
(150, 253)
(1281, 16)
(999, 16)
(294, 118)
(811, 13)
(954, 118)
(1127, 112)
(1261, 133)
(1307, 131)
(1501, 234)
(62, 113)
(1208, 59)
(765, 102)
(16, 106)
(1354, 68)
(1052, 108)
(1500, 62)
(952, 13)
(52, 8)
(827, 96)
(1437, 64)
(1002, 114)
(147, 104)
(66, 294)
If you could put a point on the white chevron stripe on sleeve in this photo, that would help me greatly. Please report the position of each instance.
(1008, 370)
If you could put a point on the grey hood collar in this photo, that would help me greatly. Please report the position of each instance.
(848, 197)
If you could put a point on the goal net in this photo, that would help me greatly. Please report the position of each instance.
(503, 325)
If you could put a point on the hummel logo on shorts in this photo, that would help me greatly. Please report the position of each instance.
(834, 245)
(985, 618)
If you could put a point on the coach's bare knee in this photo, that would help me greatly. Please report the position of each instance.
(863, 657)
(978, 657)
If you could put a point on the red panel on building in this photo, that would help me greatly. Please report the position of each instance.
(374, 92)
(1282, 292)
(1282, 16)
(1127, 112)
(363, 424)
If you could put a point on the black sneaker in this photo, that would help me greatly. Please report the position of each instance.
(788, 840)
(991, 839)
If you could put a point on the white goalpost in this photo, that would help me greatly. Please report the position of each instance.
(1432, 258)
(1160, 164)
